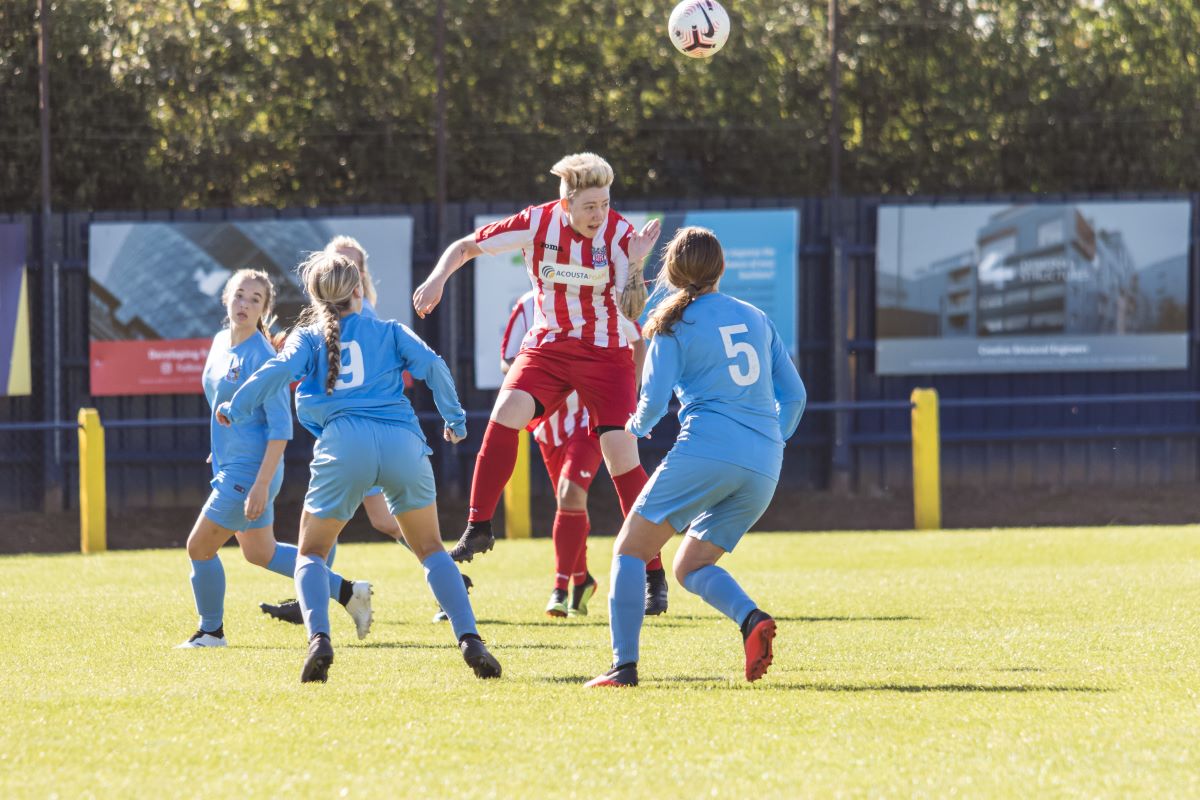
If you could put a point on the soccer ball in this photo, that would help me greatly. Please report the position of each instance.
(699, 28)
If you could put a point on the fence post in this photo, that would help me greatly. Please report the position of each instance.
(517, 521)
(93, 537)
(926, 456)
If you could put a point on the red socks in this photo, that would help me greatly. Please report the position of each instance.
(493, 467)
(629, 486)
(570, 545)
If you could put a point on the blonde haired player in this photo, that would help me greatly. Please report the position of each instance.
(349, 367)
(247, 466)
(373, 501)
(584, 260)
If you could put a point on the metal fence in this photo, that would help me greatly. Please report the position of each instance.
(1047, 429)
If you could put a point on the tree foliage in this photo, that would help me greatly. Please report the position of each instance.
(171, 103)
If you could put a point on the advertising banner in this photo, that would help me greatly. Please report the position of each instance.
(1031, 288)
(761, 258)
(16, 374)
(156, 288)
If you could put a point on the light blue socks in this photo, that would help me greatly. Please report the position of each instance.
(283, 561)
(627, 607)
(208, 586)
(312, 589)
(446, 582)
(718, 588)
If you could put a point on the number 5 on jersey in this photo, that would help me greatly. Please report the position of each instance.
(352, 372)
(734, 349)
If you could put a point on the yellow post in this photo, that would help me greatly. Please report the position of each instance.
(93, 537)
(927, 460)
(518, 524)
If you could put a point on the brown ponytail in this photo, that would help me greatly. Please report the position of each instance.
(330, 280)
(692, 265)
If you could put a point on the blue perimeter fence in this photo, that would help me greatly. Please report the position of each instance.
(998, 431)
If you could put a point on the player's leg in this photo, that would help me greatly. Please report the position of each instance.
(532, 380)
(639, 540)
(317, 535)
(345, 464)
(412, 497)
(581, 463)
(554, 456)
(381, 518)
(680, 489)
(608, 387)
(208, 580)
(621, 457)
(714, 533)
(261, 549)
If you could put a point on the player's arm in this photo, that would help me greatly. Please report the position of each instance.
(256, 500)
(424, 364)
(639, 359)
(664, 365)
(511, 233)
(790, 394)
(514, 334)
(631, 297)
(296, 360)
(429, 293)
(279, 432)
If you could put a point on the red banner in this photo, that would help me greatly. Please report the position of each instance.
(166, 366)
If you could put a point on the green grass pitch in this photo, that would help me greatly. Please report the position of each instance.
(989, 663)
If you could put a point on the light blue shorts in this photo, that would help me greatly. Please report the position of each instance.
(355, 454)
(717, 500)
(226, 505)
(374, 490)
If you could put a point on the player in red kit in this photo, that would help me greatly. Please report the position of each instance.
(585, 262)
(571, 452)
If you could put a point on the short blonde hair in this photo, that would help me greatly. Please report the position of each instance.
(343, 242)
(580, 171)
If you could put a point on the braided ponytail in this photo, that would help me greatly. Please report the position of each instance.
(330, 280)
(692, 265)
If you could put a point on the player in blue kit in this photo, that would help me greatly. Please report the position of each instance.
(373, 501)
(247, 465)
(741, 399)
(368, 435)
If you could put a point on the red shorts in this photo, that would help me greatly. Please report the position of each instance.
(603, 376)
(577, 459)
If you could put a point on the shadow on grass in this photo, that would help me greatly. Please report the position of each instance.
(544, 623)
(847, 619)
(933, 687)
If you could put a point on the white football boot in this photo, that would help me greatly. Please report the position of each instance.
(202, 639)
(359, 607)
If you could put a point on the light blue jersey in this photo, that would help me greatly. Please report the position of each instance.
(374, 355)
(238, 450)
(740, 393)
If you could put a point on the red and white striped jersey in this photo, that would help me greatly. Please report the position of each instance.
(576, 279)
(557, 426)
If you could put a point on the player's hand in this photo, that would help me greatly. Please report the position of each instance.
(427, 296)
(223, 416)
(256, 501)
(209, 459)
(450, 436)
(641, 243)
(629, 429)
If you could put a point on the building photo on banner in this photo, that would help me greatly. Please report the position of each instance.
(155, 297)
(1032, 287)
(761, 258)
(16, 374)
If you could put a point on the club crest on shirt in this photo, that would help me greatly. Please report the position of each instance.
(600, 256)
(235, 372)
